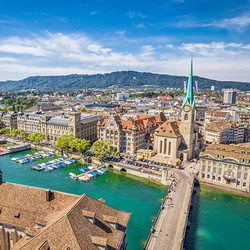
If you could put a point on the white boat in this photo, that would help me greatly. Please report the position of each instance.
(84, 178)
(90, 176)
(100, 172)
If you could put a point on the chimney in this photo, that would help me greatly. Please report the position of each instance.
(48, 192)
(1, 177)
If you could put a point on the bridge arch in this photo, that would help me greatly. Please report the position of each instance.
(123, 170)
(110, 166)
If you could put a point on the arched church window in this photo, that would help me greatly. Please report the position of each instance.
(186, 117)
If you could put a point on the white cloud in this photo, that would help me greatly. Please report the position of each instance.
(61, 54)
(140, 25)
(93, 13)
(236, 23)
(133, 14)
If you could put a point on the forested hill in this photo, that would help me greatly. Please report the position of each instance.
(119, 79)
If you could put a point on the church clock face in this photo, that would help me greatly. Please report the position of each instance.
(187, 108)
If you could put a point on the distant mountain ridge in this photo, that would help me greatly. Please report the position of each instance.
(119, 79)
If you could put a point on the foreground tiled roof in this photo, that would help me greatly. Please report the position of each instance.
(240, 154)
(66, 218)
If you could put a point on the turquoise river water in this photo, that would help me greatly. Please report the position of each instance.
(141, 198)
(219, 220)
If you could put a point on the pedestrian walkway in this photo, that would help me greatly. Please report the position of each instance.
(169, 230)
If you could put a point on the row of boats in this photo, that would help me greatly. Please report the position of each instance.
(88, 173)
(29, 157)
(54, 164)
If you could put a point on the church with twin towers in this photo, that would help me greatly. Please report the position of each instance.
(180, 139)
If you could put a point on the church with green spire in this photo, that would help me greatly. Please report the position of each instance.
(180, 139)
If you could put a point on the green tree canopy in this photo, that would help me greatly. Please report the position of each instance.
(36, 137)
(103, 149)
(24, 134)
(5, 131)
(15, 132)
(83, 146)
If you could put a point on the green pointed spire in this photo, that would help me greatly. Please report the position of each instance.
(190, 86)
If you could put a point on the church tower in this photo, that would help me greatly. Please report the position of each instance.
(187, 112)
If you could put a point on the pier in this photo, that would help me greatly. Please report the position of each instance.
(88, 172)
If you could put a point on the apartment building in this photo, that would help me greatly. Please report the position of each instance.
(80, 125)
(226, 165)
(224, 132)
(130, 135)
(218, 132)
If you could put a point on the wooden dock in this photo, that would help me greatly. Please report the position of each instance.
(83, 174)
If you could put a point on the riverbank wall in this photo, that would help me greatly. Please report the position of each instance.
(225, 188)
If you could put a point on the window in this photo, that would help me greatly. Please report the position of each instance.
(208, 169)
(186, 117)
(165, 146)
(219, 179)
(160, 146)
(203, 175)
(169, 148)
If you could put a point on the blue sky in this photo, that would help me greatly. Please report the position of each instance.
(59, 37)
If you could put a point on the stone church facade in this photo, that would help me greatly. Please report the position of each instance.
(180, 139)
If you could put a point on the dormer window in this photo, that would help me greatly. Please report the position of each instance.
(243, 151)
(17, 215)
(90, 215)
(241, 160)
(223, 149)
(232, 150)
(111, 220)
(222, 156)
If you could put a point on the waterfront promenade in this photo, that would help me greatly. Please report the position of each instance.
(170, 227)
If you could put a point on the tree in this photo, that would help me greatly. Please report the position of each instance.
(36, 137)
(15, 132)
(4, 131)
(102, 149)
(62, 143)
(24, 134)
(73, 142)
(83, 146)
